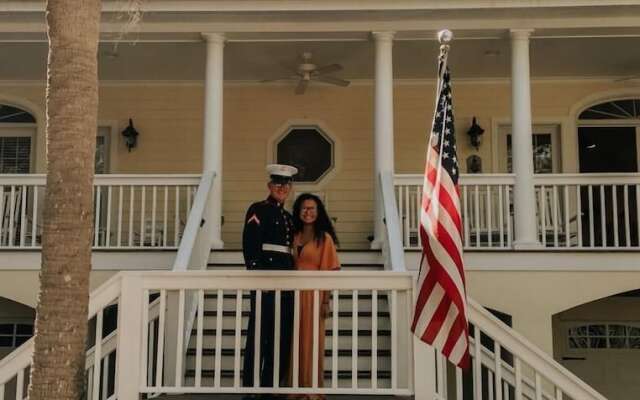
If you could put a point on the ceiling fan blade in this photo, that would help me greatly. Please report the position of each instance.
(332, 80)
(327, 69)
(302, 86)
(281, 78)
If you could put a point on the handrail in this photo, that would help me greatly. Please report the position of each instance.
(511, 340)
(392, 223)
(465, 179)
(22, 357)
(194, 223)
(108, 179)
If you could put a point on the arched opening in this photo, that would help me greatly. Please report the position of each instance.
(599, 341)
(609, 142)
(16, 325)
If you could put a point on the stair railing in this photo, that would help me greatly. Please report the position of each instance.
(505, 365)
(14, 368)
(393, 248)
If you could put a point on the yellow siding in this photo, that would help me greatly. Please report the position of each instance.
(169, 119)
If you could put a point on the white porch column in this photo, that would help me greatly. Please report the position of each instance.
(526, 236)
(212, 143)
(382, 126)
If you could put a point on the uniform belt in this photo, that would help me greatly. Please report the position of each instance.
(276, 247)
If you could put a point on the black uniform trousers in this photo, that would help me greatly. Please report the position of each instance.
(267, 339)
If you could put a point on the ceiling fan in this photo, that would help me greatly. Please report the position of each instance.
(306, 71)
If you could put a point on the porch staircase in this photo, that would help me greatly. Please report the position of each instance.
(364, 355)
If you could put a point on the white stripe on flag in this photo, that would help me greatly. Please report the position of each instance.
(443, 334)
(429, 309)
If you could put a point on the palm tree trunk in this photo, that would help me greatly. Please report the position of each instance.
(72, 108)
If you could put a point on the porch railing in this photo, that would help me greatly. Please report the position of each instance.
(130, 211)
(486, 205)
(588, 211)
(573, 211)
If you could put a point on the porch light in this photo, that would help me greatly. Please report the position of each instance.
(474, 132)
(130, 135)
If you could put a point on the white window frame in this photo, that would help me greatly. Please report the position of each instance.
(15, 334)
(553, 129)
(22, 130)
(319, 186)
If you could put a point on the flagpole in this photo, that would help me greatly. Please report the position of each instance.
(444, 37)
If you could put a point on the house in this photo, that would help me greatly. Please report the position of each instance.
(550, 193)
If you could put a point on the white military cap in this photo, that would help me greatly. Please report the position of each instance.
(281, 171)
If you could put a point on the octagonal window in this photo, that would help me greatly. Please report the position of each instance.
(308, 149)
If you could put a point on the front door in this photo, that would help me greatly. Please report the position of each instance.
(608, 149)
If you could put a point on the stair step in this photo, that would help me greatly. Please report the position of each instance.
(327, 353)
(342, 314)
(341, 332)
(342, 374)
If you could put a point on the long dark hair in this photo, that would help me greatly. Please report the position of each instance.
(323, 223)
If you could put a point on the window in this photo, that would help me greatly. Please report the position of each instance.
(10, 114)
(13, 335)
(616, 109)
(604, 336)
(15, 154)
(102, 153)
(542, 154)
(308, 149)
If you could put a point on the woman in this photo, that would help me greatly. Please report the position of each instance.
(315, 250)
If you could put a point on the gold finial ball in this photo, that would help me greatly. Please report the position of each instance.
(445, 36)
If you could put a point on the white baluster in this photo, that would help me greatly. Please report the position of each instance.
(180, 338)
(627, 225)
(556, 223)
(96, 229)
(498, 369)
(459, 390)
(218, 357)
(518, 377)
(374, 339)
(176, 222)
(543, 214)
(108, 222)
(394, 339)
(276, 340)
(315, 342)
(131, 212)
(501, 215)
(23, 215)
(97, 356)
(476, 200)
(12, 206)
(591, 218)
(153, 214)
(119, 232)
(296, 337)
(144, 362)
(160, 347)
(237, 338)
(603, 214)
(165, 216)
(256, 342)
(477, 364)
(34, 223)
(199, 340)
(466, 217)
(579, 214)
(538, 386)
(614, 194)
(567, 236)
(354, 339)
(489, 223)
(334, 338)
(20, 385)
(143, 205)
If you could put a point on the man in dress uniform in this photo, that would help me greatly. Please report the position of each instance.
(267, 240)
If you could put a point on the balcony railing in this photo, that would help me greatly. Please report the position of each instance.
(130, 211)
(573, 211)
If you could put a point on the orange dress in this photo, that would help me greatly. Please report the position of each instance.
(313, 257)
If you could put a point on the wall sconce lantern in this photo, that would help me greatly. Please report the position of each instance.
(130, 135)
(474, 132)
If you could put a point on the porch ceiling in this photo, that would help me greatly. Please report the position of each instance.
(474, 55)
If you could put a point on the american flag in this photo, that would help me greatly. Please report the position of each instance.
(440, 314)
